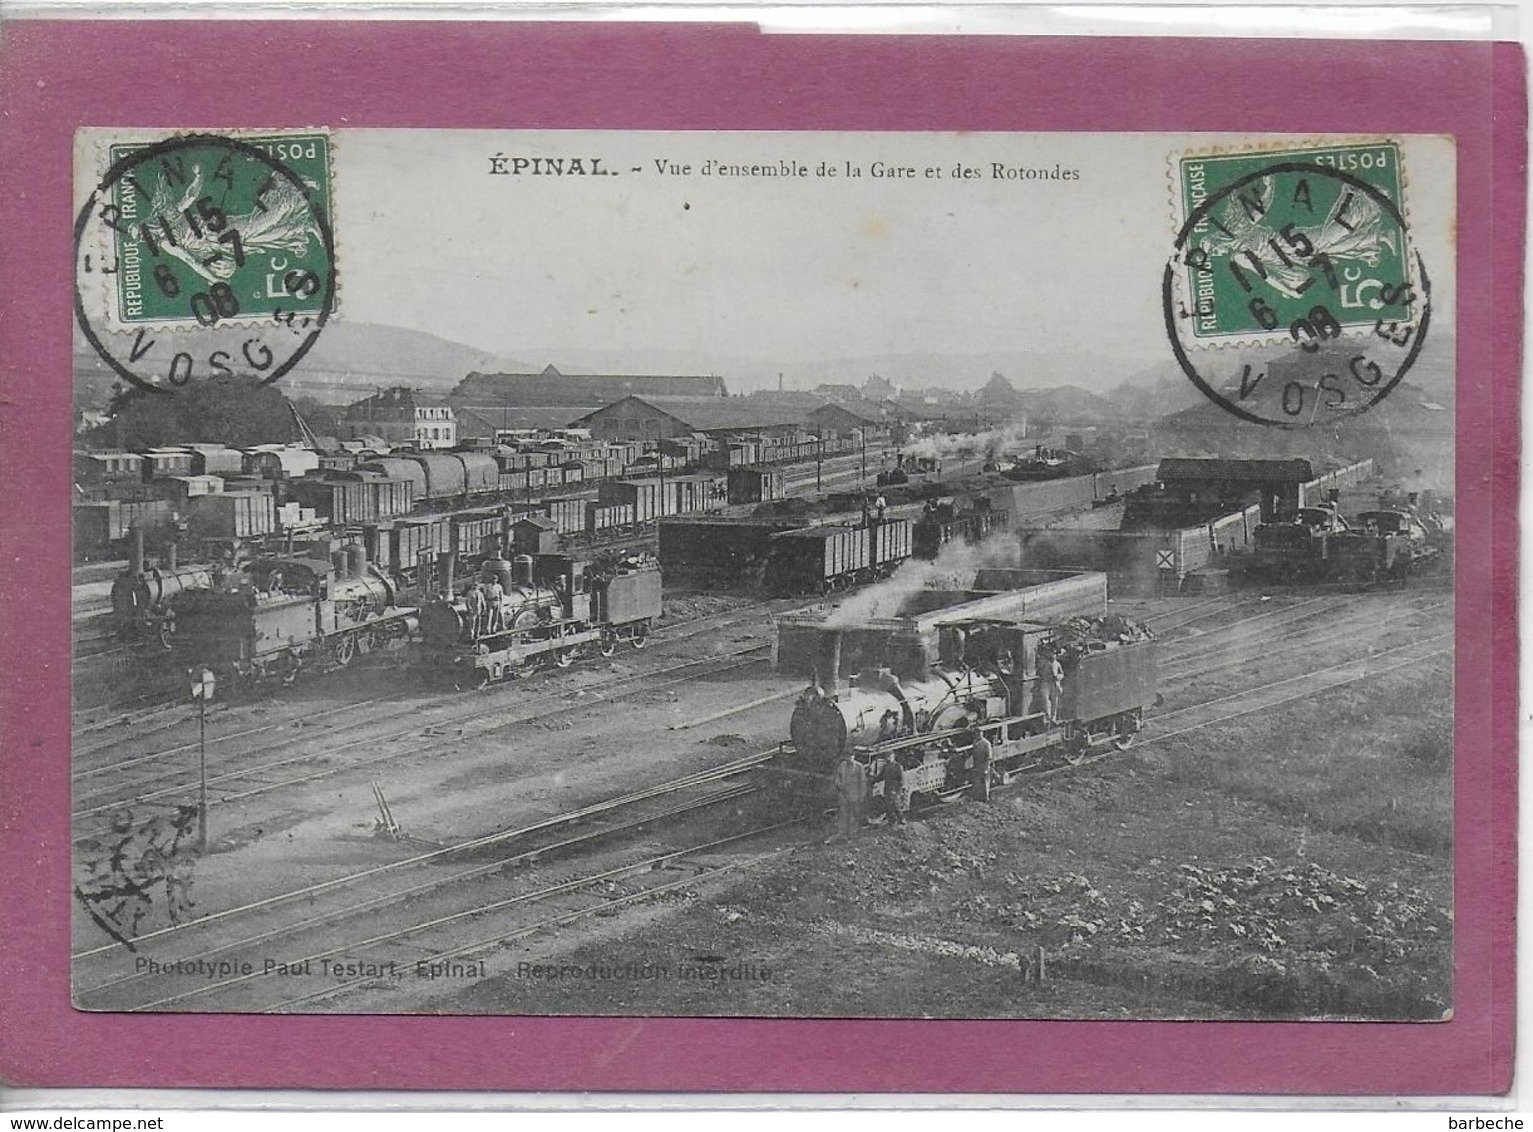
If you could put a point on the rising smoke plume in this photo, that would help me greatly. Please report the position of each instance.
(992, 444)
(953, 569)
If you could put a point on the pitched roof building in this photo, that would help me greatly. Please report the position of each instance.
(402, 416)
(552, 388)
(637, 418)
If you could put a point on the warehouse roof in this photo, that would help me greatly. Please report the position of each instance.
(704, 414)
(1181, 469)
(485, 420)
(550, 387)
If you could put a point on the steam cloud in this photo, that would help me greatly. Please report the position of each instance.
(994, 444)
(953, 569)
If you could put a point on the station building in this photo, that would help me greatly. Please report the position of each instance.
(638, 418)
(403, 417)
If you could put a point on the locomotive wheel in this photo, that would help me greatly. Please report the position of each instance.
(472, 681)
(608, 646)
(366, 642)
(345, 649)
(564, 658)
(1123, 742)
(640, 638)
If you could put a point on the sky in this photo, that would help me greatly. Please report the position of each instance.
(781, 270)
(791, 269)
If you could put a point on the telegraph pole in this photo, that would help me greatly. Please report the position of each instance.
(819, 458)
(202, 692)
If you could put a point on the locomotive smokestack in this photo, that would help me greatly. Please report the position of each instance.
(136, 550)
(447, 590)
(833, 663)
(338, 563)
(356, 560)
(170, 557)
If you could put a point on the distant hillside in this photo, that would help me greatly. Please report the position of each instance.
(1411, 429)
(348, 361)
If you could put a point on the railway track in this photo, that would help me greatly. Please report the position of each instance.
(667, 634)
(383, 748)
(1304, 632)
(433, 933)
(104, 789)
(167, 785)
(421, 904)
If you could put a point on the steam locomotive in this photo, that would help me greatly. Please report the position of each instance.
(280, 614)
(536, 608)
(948, 520)
(1301, 549)
(993, 678)
(1387, 544)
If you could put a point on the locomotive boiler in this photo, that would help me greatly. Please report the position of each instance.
(538, 608)
(279, 615)
(1039, 693)
(141, 595)
(141, 601)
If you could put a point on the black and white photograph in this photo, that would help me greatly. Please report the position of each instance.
(788, 575)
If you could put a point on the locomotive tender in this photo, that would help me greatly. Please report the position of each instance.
(552, 607)
(991, 680)
(283, 614)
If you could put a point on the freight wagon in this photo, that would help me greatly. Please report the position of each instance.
(654, 498)
(233, 516)
(756, 485)
(822, 559)
(216, 460)
(92, 468)
(351, 498)
(99, 528)
(161, 462)
(441, 476)
(719, 550)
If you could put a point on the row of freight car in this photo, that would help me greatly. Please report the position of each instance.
(783, 554)
(363, 497)
(446, 474)
(284, 461)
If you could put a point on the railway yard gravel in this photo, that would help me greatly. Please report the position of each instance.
(1229, 866)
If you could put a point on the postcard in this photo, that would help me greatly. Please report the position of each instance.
(688, 581)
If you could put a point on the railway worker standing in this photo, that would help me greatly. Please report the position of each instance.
(473, 604)
(851, 784)
(896, 799)
(979, 775)
(880, 505)
(494, 599)
(1051, 682)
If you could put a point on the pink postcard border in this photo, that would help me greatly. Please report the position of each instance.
(58, 75)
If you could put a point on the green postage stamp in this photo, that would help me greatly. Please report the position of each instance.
(221, 229)
(1292, 242)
